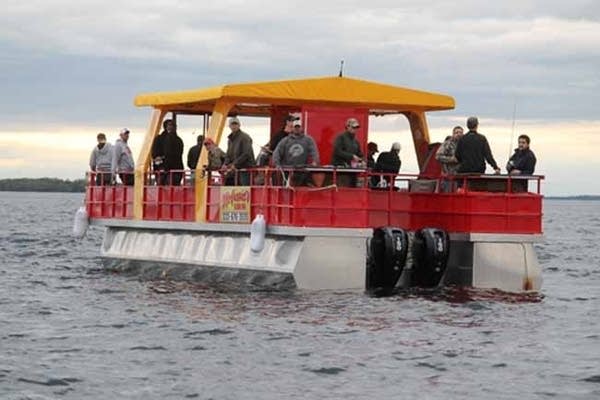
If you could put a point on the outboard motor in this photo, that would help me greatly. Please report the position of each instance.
(430, 252)
(386, 257)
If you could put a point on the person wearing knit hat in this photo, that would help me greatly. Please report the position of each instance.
(372, 149)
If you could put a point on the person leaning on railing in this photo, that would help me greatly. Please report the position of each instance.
(388, 162)
(473, 150)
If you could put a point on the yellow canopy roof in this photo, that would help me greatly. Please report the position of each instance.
(258, 98)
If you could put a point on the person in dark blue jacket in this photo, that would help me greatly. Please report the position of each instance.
(522, 162)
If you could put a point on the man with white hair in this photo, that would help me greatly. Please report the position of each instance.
(122, 162)
(389, 162)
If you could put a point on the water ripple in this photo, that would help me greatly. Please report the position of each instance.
(71, 328)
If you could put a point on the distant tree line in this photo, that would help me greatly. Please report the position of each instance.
(42, 185)
(578, 197)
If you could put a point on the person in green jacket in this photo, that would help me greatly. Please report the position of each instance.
(346, 149)
(347, 153)
(239, 155)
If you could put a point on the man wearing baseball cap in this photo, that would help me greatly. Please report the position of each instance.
(285, 131)
(346, 149)
(240, 155)
(122, 162)
(297, 150)
(347, 152)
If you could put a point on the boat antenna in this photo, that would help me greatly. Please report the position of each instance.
(341, 68)
(512, 133)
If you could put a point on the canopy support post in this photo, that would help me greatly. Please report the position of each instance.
(420, 134)
(215, 130)
(143, 163)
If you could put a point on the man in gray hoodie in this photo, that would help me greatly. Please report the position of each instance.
(101, 161)
(296, 150)
(122, 162)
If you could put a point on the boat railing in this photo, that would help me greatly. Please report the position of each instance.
(109, 195)
(350, 198)
(328, 176)
(331, 197)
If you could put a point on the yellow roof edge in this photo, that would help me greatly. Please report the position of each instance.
(324, 90)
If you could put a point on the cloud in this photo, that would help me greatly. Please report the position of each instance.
(90, 53)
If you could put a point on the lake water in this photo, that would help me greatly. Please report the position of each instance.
(71, 330)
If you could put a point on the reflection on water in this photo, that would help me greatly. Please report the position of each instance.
(71, 329)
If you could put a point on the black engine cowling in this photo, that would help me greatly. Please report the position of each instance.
(386, 258)
(430, 250)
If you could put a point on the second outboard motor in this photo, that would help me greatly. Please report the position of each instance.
(387, 252)
(430, 252)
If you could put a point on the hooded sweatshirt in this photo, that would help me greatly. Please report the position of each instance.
(296, 150)
(101, 158)
(122, 159)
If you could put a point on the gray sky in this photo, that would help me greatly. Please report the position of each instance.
(74, 67)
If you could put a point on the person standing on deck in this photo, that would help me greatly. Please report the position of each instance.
(122, 162)
(101, 161)
(372, 149)
(522, 162)
(389, 162)
(297, 150)
(346, 149)
(216, 156)
(446, 154)
(473, 150)
(288, 127)
(167, 153)
(194, 152)
(239, 155)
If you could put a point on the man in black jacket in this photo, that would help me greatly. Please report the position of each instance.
(473, 150)
(167, 152)
(523, 160)
(389, 163)
(288, 127)
(371, 150)
(194, 153)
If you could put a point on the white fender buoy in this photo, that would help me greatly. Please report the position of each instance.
(80, 224)
(258, 230)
